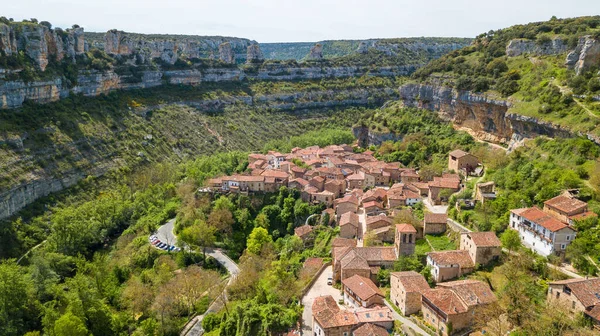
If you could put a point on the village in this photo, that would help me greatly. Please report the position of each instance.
(363, 197)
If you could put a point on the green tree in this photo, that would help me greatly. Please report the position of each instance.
(70, 325)
(17, 304)
(510, 240)
(199, 235)
(257, 239)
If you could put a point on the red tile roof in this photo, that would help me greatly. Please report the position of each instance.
(445, 300)
(374, 315)
(338, 242)
(349, 218)
(484, 239)
(375, 219)
(322, 303)
(435, 218)
(587, 291)
(444, 183)
(412, 281)
(372, 204)
(542, 218)
(369, 329)
(566, 204)
(456, 257)
(362, 287)
(405, 228)
(457, 153)
(303, 230)
(471, 292)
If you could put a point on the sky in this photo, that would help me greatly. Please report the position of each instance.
(298, 20)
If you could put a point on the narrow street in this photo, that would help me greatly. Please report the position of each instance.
(408, 326)
(319, 288)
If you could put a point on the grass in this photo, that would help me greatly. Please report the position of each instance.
(422, 247)
(441, 243)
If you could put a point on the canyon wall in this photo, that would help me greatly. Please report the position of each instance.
(485, 118)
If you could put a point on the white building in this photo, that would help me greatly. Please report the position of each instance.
(540, 231)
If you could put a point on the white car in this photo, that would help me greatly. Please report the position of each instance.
(330, 280)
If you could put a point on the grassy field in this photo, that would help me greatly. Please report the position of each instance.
(441, 243)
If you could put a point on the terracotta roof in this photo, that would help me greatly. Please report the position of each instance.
(375, 219)
(587, 291)
(348, 198)
(594, 313)
(409, 173)
(542, 218)
(369, 254)
(356, 177)
(566, 204)
(303, 230)
(328, 319)
(412, 281)
(451, 176)
(378, 193)
(519, 211)
(458, 153)
(373, 315)
(372, 204)
(275, 173)
(324, 302)
(369, 329)
(246, 178)
(362, 287)
(338, 242)
(445, 183)
(471, 292)
(335, 182)
(349, 218)
(352, 260)
(484, 239)
(583, 215)
(318, 179)
(297, 169)
(445, 300)
(435, 218)
(455, 257)
(300, 181)
(405, 228)
(420, 185)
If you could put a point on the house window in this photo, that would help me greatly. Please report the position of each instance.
(568, 237)
(563, 246)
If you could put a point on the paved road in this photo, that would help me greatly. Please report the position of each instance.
(408, 326)
(439, 209)
(319, 288)
(165, 233)
(194, 328)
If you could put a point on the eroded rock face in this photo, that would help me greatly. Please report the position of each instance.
(8, 42)
(519, 47)
(585, 55)
(316, 52)
(254, 54)
(226, 53)
(485, 118)
(116, 42)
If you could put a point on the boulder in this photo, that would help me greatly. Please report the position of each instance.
(316, 52)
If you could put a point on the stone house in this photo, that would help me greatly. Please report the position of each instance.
(304, 232)
(356, 181)
(323, 197)
(577, 295)
(317, 182)
(374, 195)
(364, 261)
(451, 307)
(380, 316)
(369, 329)
(567, 209)
(329, 319)
(373, 207)
(448, 265)
(459, 160)
(483, 247)
(297, 183)
(405, 239)
(349, 225)
(441, 188)
(434, 223)
(348, 203)
(406, 289)
(362, 292)
(378, 221)
(337, 187)
(409, 176)
(485, 191)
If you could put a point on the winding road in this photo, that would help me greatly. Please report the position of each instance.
(194, 327)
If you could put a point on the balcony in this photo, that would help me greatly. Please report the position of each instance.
(535, 233)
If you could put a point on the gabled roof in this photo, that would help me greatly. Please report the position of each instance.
(338, 242)
(412, 281)
(326, 302)
(303, 230)
(455, 257)
(348, 198)
(566, 204)
(484, 239)
(542, 218)
(275, 173)
(445, 300)
(374, 315)
(349, 218)
(435, 218)
(362, 287)
(457, 153)
(405, 228)
(352, 260)
(375, 219)
(471, 292)
(587, 291)
(444, 183)
(372, 204)
(370, 329)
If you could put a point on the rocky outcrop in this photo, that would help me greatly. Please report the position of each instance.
(486, 118)
(116, 42)
(367, 137)
(254, 54)
(519, 47)
(226, 53)
(585, 55)
(316, 52)
(39, 42)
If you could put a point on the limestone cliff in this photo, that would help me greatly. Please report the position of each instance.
(254, 54)
(484, 117)
(316, 52)
(585, 55)
(226, 53)
(519, 47)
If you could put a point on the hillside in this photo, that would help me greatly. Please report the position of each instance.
(522, 81)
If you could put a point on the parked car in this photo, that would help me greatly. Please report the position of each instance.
(171, 248)
(330, 280)
(156, 242)
(161, 245)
